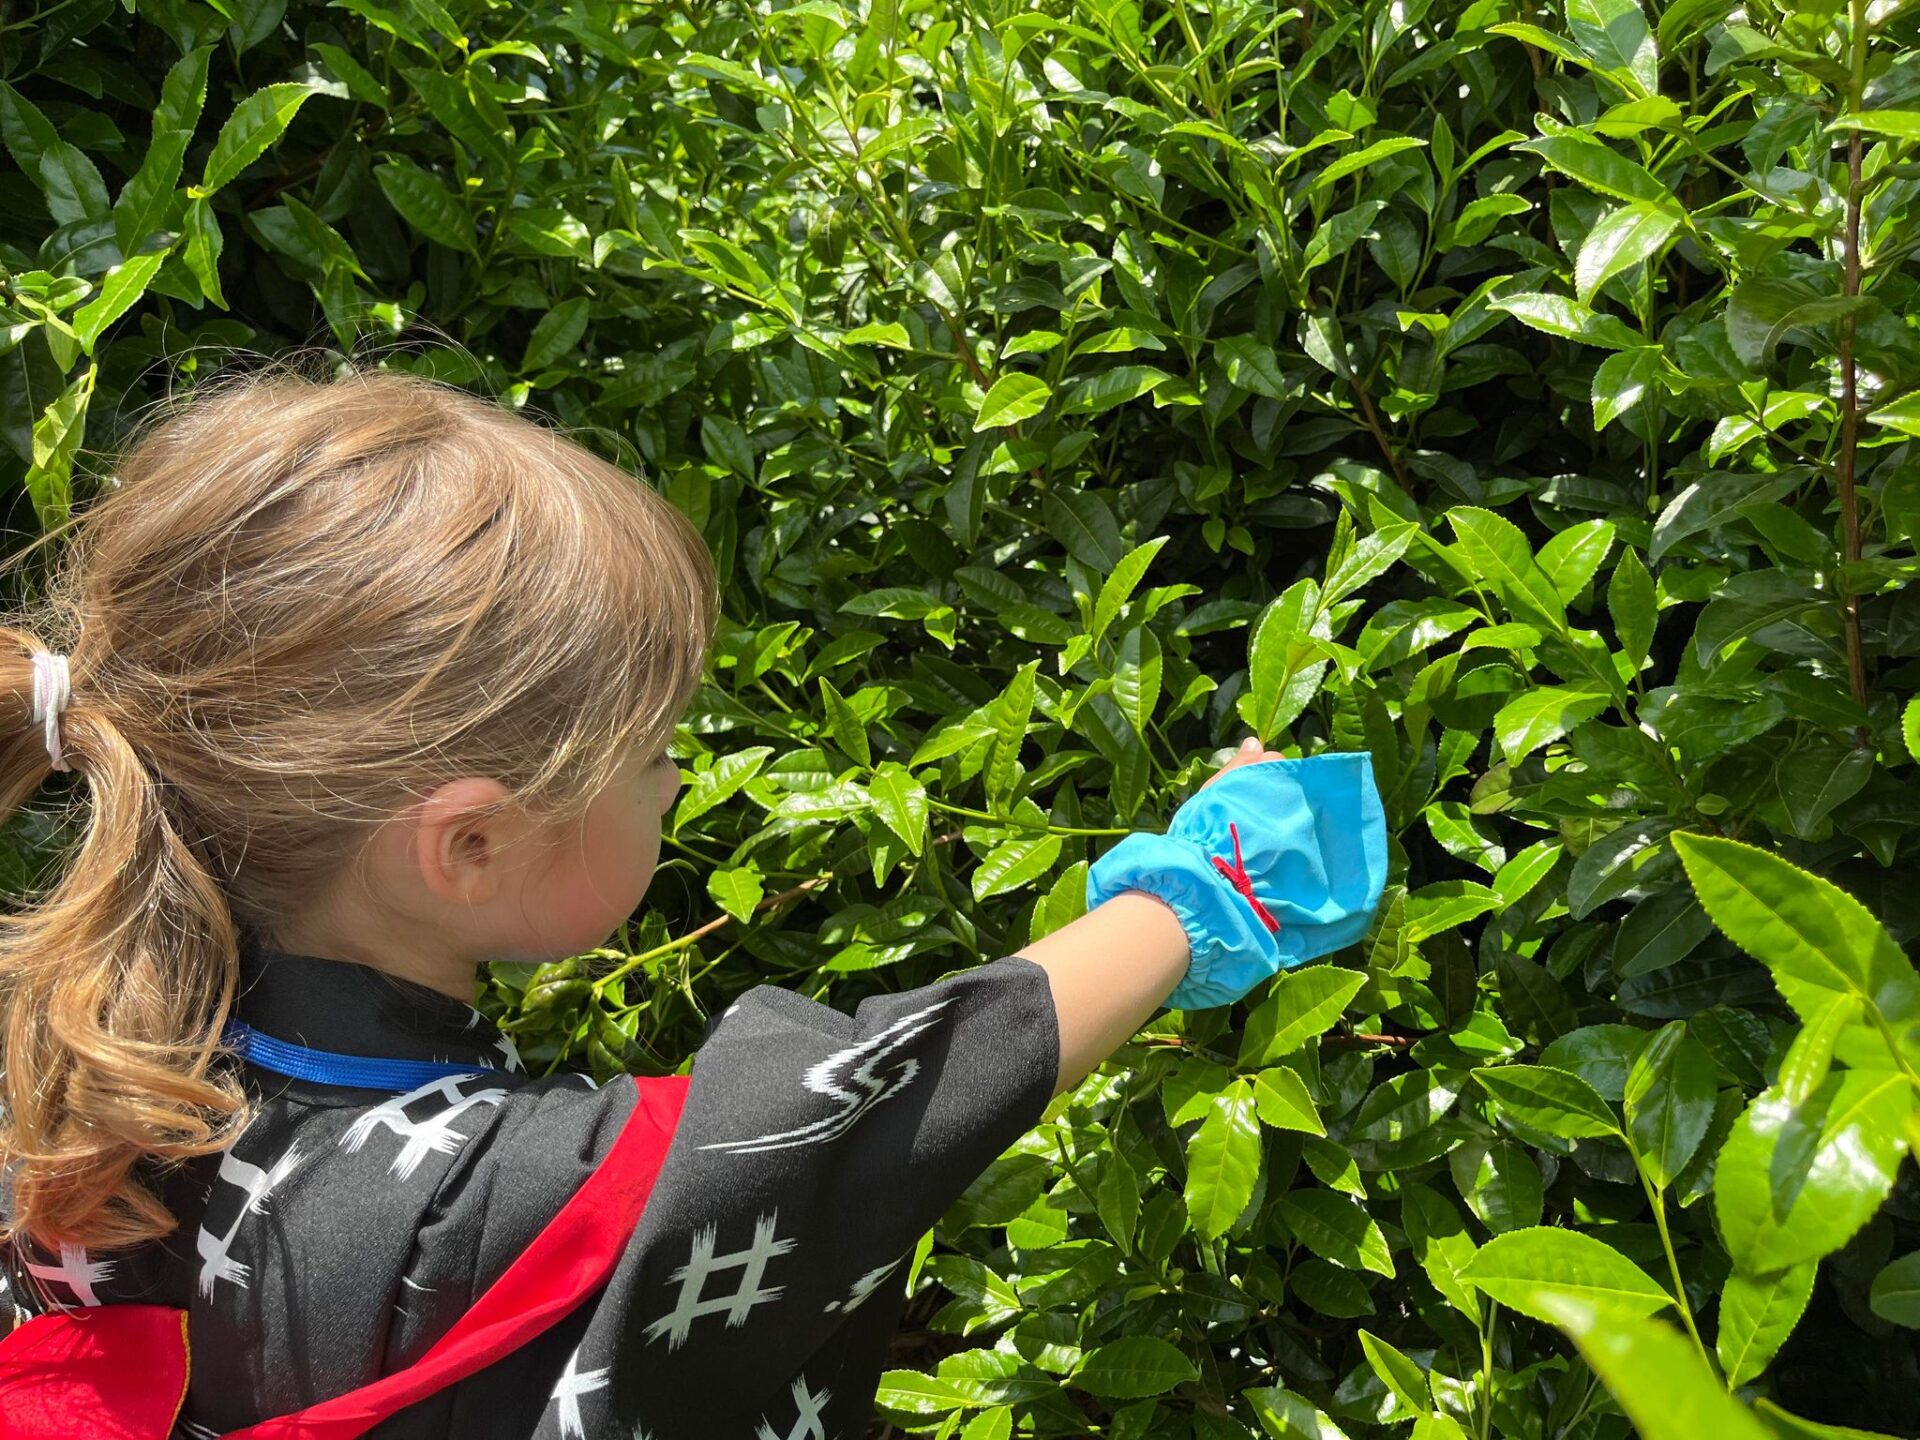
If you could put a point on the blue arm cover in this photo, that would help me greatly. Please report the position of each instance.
(1313, 843)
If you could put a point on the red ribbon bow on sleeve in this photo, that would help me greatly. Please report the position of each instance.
(1237, 876)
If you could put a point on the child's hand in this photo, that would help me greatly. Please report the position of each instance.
(1281, 863)
(1249, 753)
(1166, 922)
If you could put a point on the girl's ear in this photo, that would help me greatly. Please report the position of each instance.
(458, 834)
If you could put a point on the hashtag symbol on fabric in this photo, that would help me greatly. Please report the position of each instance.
(702, 1264)
(1237, 877)
(810, 1425)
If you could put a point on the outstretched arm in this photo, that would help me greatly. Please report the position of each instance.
(1116, 965)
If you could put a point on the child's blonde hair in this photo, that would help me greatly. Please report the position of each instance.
(304, 604)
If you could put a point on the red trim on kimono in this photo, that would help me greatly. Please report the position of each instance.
(119, 1372)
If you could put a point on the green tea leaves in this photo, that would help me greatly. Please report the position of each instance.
(1530, 1270)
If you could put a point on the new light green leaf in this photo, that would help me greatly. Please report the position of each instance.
(1223, 1161)
(1634, 606)
(146, 197)
(848, 729)
(1282, 1101)
(1757, 1314)
(1517, 877)
(1398, 1373)
(121, 288)
(915, 1393)
(1351, 164)
(56, 440)
(1796, 1181)
(1064, 902)
(1902, 414)
(901, 803)
(1367, 561)
(1670, 1095)
(1551, 1100)
(1542, 715)
(1013, 398)
(1284, 674)
(204, 244)
(256, 123)
(1302, 1004)
(1098, 393)
(1444, 905)
(718, 784)
(1528, 1270)
(1622, 381)
(1498, 553)
(1599, 167)
(1817, 940)
(1568, 318)
(1624, 238)
(1896, 124)
(1014, 863)
(1117, 589)
(1617, 38)
(1653, 1371)
(737, 891)
(1137, 667)
(1573, 556)
(1287, 1416)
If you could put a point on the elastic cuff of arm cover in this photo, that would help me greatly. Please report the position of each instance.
(1313, 853)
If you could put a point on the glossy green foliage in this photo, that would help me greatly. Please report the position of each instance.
(1524, 395)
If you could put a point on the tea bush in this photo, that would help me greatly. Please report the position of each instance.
(1525, 395)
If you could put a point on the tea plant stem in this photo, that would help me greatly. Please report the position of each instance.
(38, 18)
(682, 846)
(633, 962)
(1379, 431)
(1657, 1199)
(1849, 369)
(1355, 1038)
(1016, 823)
(1486, 1371)
(1899, 1055)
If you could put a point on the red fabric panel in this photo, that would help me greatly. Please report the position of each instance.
(566, 1263)
(68, 1375)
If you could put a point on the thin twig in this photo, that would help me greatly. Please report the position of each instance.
(1355, 1038)
(1849, 382)
(1379, 431)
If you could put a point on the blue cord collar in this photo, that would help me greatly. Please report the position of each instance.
(328, 1067)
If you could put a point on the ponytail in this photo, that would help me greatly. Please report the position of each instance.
(113, 989)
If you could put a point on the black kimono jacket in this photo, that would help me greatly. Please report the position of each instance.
(346, 1230)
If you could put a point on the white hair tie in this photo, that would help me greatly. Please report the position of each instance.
(52, 688)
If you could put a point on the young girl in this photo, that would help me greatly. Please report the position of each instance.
(369, 683)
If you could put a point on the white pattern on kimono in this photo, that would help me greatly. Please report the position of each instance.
(808, 1425)
(216, 1251)
(702, 1263)
(432, 1135)
(77, 1272)
(863, 1289)
(574, 1383)
(849, 1077)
